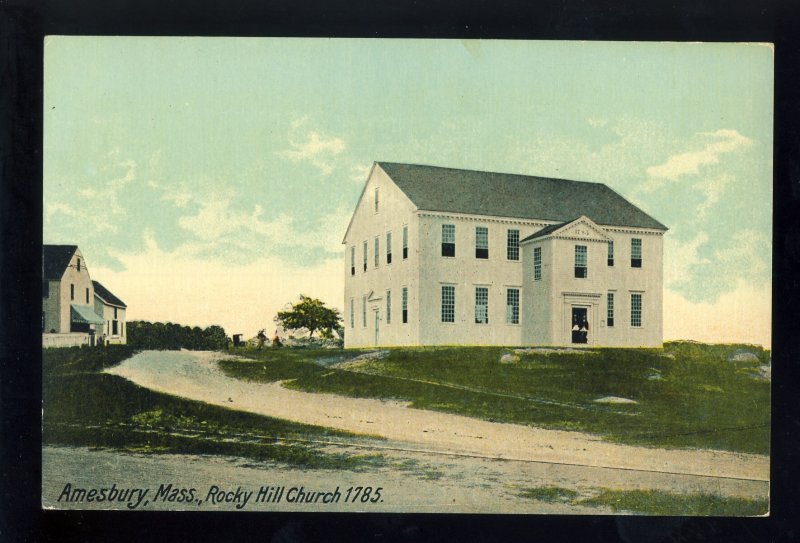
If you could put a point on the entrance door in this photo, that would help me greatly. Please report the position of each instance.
(580, 325)
(377, 323)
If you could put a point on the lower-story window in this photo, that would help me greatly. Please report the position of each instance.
(448, 303)
(610, 309)
(512, 306)
(352, 313)
(636, 309)
(388, 307)
(481, 305)
(114, 325)
(405, 305)
(364, 311)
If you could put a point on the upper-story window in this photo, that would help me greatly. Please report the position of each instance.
(481, 305)
(405, 241)
(448, 303)
(365, 256)
(636, 253)
(79, 264)
(376, 198)
(512, 248)
(377, 251)
(537, 263)
(448, 240)
(87, 303)
(115, 312)
(71, 291)
(481, 242)
(388, 247)
(610, 253)
(353, 260)
(581, 270)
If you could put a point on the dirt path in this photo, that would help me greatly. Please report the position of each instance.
(196, 375)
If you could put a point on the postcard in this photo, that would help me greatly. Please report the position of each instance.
(405, 275)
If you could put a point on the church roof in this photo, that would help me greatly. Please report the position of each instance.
(55, 259)
(432, 188)
(104, 294)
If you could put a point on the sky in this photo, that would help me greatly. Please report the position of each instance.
(211, 180)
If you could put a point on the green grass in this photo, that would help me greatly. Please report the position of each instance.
(689, 394)
(549, 494)
(656, 502)
(83, 407)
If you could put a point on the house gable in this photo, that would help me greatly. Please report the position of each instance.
(582, 229)
(55, 260)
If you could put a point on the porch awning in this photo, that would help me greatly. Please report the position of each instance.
(85, 314)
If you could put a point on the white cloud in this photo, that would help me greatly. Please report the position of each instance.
(314, 147)
(683, 258)
(713, 189)
(689, 162)
(180, 197)
(750, 253)
(359, 172)
(158, 285)
(88, 192)
(596, 123)
(743, 315)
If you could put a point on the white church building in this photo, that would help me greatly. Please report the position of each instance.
(440, 256)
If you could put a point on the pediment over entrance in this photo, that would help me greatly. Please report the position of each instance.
(582, 228)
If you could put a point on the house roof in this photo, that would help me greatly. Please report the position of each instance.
(55, 259)
(433, 188)
(104, 294)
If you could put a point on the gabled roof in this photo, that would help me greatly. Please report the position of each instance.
(104, 294)
(55, 259)
(553, 228)
(433, 188)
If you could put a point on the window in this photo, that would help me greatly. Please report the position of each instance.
(122, 328)
(71, 291)
(353, 260)
(481, 242)
(512, 248)
(610, 253)
(636, 253)
(79, 264)
(580, 261)
(377, 251)
(610, 309)
(114, 325)
(481, 305)
(45, 289)
(537, 263)
(388, 307)
(364, 311)
(448, 240)
(376, 199)
(636, 309)
(87, 301)
(352, 313)
(448, 303)
(405, 305)
(42, 321)
(512, 306)
(115, 312)
(388, 247)
(365, 256)
(405, 242)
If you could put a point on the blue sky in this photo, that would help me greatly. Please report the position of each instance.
(239, 161)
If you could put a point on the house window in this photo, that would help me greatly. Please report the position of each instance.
(481, 305)
(79, 264)
(610, 253)
(405, 242)
(87, 300)
(42, 321)
(512, 306)
(364, 311)
(71, 291)
(448, 240)
(365, 256)
(115, 312)
(636, 309)
(448, 303)
(610, 309)
(404, 302)
(114, 325)
(122, 328)
(481, 242)
(388, 247)
(352, 313)
(377, 251)
(376, 199)
(388, 307)
(45, 289)
(636, 253)
(353, 260)
(580, 261)
(512, 248)
(537, 263)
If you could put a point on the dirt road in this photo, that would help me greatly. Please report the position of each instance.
(196, 375)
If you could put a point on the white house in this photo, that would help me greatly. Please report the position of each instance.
(70, 312)
(112, 309)
(440, 256)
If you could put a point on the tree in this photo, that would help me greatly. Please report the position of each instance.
(308, 313)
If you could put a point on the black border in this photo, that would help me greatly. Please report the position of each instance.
(23, 25)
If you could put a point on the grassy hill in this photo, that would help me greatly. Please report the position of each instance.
(687, 395)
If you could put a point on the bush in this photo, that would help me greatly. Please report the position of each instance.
(170, 336)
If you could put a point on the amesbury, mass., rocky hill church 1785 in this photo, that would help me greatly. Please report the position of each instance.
(441, 256)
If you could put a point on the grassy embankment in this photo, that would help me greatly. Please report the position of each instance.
(652, 502)
(689, 394)
(84, 407)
